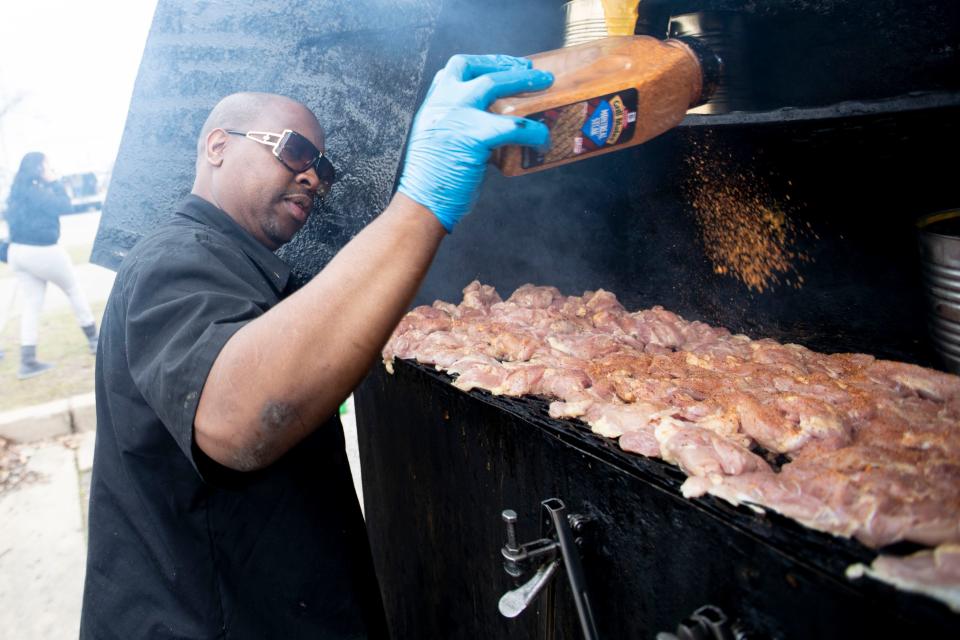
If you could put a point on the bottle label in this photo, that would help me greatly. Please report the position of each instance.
(582, 128)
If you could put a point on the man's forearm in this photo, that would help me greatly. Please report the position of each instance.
(281, 375)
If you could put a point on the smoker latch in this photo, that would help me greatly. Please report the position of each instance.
(556, 545)
(706, 623)
(514, 602)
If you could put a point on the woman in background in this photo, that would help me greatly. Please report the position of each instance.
(34, 206)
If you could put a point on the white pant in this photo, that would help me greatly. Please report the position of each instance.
(33, 267)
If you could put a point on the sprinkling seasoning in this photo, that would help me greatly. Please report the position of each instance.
(745, 232)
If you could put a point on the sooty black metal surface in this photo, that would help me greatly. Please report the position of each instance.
(809, 53)
(357, 65)
(441, 464)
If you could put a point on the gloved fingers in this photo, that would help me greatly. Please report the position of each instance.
(487, 88)
(467, 67)
(437, 78)
(503, 130)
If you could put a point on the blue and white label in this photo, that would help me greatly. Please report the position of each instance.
(581, 128)
(597, 126)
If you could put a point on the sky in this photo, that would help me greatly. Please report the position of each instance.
(69, 67)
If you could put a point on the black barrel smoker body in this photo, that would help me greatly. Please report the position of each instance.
(851, 111)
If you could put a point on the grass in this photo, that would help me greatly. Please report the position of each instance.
(79, 253)
(61, 343)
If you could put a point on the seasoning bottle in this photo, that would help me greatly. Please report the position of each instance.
(608, 95)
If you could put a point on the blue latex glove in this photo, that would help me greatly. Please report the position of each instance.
(452, 134)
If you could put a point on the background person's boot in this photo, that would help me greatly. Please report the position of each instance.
(92, 337)
(29, 366)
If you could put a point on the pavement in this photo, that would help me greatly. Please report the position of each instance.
(43, 495)
(43, 542)
(44, 492)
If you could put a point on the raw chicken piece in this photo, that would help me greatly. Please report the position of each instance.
(933, 573)
(703, 453)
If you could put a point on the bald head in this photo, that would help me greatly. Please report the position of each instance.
(244, 178)
(240, 111)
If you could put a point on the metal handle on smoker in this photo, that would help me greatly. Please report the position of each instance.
(571, 560)
(706, 623)
(557, 534)
(514, 602)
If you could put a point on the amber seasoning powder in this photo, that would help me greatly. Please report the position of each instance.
(746, 233)
(607, 95)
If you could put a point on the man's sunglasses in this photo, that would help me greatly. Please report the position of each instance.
(295, 152)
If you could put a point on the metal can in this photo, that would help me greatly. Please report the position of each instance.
(939, 236)
(588, 20)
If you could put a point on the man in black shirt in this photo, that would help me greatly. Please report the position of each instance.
(221, 501)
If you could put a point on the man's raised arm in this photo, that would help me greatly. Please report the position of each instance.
(283, 374)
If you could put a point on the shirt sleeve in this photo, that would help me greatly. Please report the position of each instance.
(35, 217)
(181, 309)
(49, 200)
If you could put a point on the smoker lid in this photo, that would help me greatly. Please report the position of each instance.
(781, 60)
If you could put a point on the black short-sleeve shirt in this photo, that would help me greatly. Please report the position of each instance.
(180, 547)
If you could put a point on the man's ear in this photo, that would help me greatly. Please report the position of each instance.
(215, 144)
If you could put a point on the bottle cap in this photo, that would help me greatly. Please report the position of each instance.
(711, 67)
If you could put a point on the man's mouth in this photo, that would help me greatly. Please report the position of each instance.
(299, 207)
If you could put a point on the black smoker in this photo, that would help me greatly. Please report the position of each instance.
(854, 116)
(851, 110)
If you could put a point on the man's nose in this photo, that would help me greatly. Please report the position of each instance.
(309, 179)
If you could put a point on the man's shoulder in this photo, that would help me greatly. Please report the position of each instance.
(179, 230)
(180, 239)
(180, 255)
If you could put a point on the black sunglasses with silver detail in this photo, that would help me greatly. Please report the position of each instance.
(296, 153)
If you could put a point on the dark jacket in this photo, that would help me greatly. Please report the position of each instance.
(180, 547)
(34, 217)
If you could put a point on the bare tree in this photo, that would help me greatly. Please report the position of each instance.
(9, 104)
